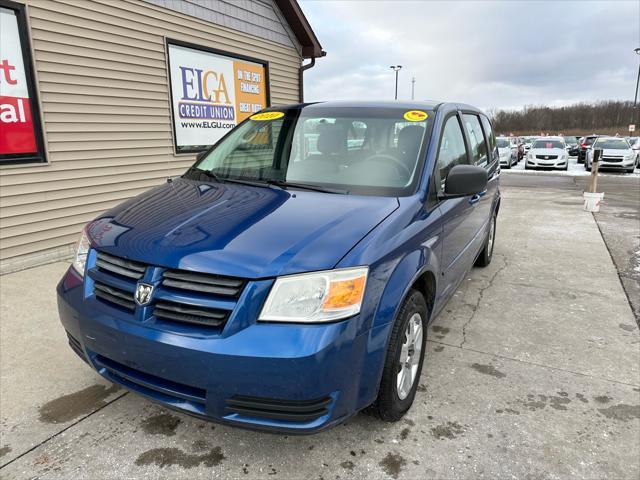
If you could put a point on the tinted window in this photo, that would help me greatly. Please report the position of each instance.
(476, 140)
(452, 150)
(612, 143)
(542, 143)
(491, 138)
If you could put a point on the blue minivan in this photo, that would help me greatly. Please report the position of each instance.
(286, 281)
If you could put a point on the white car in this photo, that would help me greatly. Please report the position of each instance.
(547, 152)
(508, 152)
(617, 154)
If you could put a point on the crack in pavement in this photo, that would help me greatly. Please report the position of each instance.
(550, 367)
(62, 431)
(480, 297)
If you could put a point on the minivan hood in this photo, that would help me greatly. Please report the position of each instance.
(238, 230)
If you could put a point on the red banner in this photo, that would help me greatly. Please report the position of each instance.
(17, 135)
(17, 126)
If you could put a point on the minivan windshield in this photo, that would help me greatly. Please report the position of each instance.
(362, 150)
(502, 142)
(570, 140)
(542, 143)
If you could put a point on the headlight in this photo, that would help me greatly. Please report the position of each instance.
(530, 156)
(316, 297)
(82, 250)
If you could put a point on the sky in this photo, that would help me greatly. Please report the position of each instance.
(491, 54)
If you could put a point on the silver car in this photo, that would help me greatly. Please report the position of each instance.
(617, 154)
(547, 152)
(508, 152)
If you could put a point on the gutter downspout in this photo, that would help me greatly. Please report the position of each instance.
(301, 71)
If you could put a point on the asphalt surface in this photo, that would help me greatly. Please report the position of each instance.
(532, 371)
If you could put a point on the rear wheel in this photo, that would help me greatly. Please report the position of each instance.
(484, 259)
(404, 360)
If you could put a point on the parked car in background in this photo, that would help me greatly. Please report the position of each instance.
(527, 142)
(572, 146)
(635, 145)
(547, 152)
(518, 145)
(508, 152)
(278, 287)
(617, 154)
(585, 146)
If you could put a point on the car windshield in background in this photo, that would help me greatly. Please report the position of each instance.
(589, 140)
(612, 144)
(502, 143)
(570, 140)
(359, 150)
(547, 144)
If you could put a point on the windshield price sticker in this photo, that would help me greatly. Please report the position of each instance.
(267, 116)
(415, 116)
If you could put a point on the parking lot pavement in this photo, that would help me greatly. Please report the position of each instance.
(532, 370)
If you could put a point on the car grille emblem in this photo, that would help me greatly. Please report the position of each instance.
(143, 293)
(546, 157)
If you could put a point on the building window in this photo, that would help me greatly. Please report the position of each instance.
(20, 127)
(211, 92)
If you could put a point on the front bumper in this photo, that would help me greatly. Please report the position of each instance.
(624, 165)
(541, 163)
(280, 377)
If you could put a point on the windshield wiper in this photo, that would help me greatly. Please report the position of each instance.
(206, 173)
(306, 186)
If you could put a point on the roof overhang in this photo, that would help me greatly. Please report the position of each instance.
(301, 28)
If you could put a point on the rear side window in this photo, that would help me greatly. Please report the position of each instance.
(477, 143)
(491, 138)
(452, 150)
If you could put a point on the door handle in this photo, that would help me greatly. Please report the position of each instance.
(476, 198)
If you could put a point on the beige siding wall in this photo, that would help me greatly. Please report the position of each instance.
(104, 93)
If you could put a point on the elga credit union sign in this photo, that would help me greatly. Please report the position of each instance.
(211, 93)
(20, 138)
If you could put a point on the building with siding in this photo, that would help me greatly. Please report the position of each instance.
(101, 115)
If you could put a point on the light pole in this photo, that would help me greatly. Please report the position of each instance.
(635, 100)
(396, 68)
(413, 86)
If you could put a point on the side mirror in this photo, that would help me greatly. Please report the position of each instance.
(464, 180)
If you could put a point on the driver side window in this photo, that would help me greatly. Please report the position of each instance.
(452, 151)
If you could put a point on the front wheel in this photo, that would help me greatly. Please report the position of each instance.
(484, 259)
(403, 364)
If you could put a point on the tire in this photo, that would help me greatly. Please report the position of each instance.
(507, 166)
(526, 167)
(484, 259)
(388, 406)
(630, 170)
(566, 167)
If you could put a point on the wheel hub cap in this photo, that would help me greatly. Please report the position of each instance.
(409, 356)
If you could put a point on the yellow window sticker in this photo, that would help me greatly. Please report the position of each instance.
(267, 116)
(415, 116)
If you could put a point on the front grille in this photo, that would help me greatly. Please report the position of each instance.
(120, 266)
(114, 296)
(290, 410)
(179, 312)
(546, 157)
(202, 282)
(611, 159)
